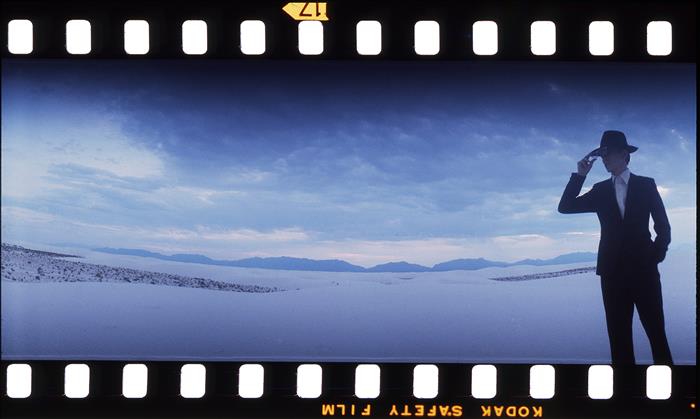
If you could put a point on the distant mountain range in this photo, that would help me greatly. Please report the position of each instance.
(335, 265)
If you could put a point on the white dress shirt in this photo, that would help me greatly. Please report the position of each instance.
(621, 183)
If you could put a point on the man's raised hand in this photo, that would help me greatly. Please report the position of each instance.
(584, 165)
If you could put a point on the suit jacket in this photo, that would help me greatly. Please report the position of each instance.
(625, 243)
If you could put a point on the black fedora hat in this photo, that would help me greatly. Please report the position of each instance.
(612, 140)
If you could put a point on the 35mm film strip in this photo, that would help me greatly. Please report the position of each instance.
(349, 209)
(167, 389)
(623, 31)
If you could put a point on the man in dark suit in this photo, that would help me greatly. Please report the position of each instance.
(627, 257)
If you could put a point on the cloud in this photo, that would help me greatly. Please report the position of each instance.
(592, 233)
(248, 176)
(184, 195)
(534, 208)
(249, 235)
(291, 241)
(202, 234)
(683, 142)
(663, 191)
(25, 215)
(520, 238)
(15, 216)
(230, 168)
(683, 222)
(36, 157)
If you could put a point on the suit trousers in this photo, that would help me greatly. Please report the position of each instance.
(621, 294)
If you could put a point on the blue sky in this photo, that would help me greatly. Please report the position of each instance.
(366, 162)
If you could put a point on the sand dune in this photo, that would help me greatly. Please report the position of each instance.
(26, 265)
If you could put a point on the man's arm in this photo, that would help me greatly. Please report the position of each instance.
(571, 203)
(661, 224)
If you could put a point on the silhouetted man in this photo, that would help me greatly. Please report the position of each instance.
(627, 257)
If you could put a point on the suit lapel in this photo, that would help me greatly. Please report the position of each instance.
(629, 199)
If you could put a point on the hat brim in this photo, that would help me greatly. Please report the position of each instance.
(596, 152)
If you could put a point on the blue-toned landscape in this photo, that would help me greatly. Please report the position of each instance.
(327, 210)
(300, 264)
